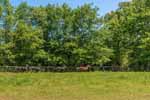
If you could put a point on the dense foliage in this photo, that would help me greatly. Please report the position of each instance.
(57, 35)
(129, 27)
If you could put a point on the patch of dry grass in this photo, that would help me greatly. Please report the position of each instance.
(75, 86)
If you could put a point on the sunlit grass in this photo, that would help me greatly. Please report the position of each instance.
(75, 86)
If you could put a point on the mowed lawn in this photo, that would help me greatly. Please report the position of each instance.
(75, 86)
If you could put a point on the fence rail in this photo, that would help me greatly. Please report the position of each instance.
(57, 69)
(36, 69)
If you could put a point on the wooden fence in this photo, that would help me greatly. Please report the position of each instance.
(36, 69)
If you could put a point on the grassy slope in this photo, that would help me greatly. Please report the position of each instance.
(75, 86)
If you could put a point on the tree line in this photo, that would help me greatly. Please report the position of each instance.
(58, 35)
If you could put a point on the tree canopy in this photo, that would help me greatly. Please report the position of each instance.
(58, 35)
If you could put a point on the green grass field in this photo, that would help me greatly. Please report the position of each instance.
(75, 86)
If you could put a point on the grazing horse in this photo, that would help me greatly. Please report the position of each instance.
(83, 68)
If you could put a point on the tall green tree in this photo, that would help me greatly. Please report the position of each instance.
(6, 33)
(27, 44)
(128, 26)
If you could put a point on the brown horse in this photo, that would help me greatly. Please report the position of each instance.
(83, 68)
